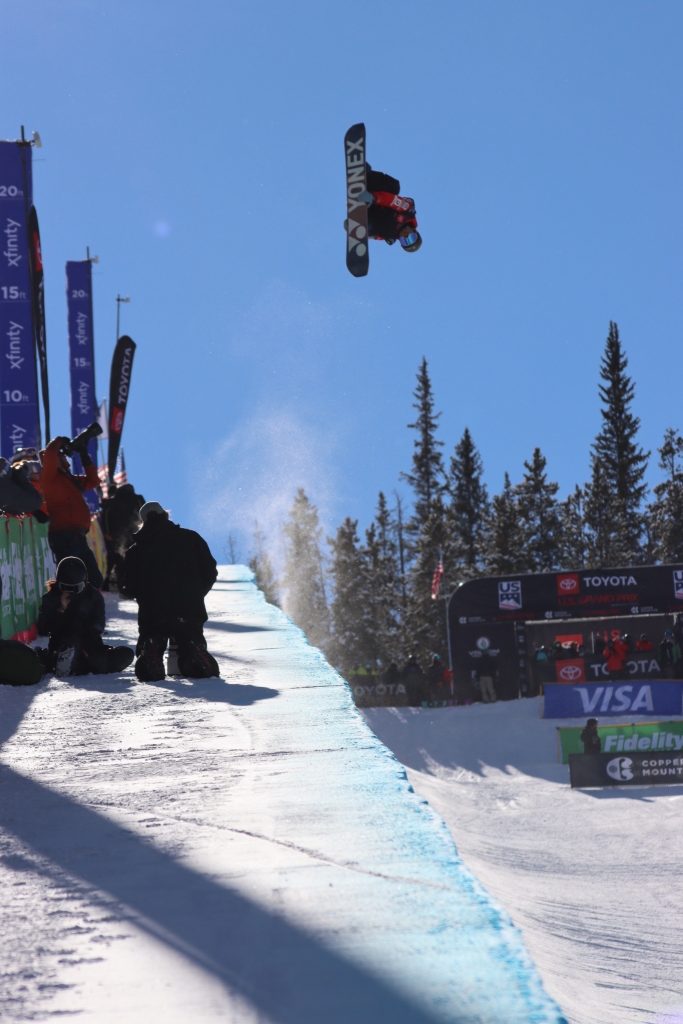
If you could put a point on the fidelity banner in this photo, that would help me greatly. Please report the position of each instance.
(619, 739)
(611, 699)
(587, 770)
(38, 300)
(119, 390)
(19, 416)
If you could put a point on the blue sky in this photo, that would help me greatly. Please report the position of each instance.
(197, 150)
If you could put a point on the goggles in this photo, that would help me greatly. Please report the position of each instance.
(72, 588)
(408, 240)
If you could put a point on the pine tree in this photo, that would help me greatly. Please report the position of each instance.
(614, 497)
(425, 529)
(386, 590)
(665, 515)
(466, 514)
(427, 475)
(262, 568)
(503, 537)
(304, 581)
(351, 642)
(573, 546)
(539, 520)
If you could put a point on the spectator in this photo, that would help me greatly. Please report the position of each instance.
(539, 669)
(413, 679)
(169, 570)
(72, 616)
(615, 655)
(669, 655)
(590, 737)
(66, 506)
(643, 643)
(487, 677)
(599, 644)
(119, 522)
(436, 677)
(17, 493)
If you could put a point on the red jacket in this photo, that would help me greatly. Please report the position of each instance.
(616, 655)
(63, 491)
(389, 214)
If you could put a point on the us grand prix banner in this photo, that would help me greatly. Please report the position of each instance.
(119, 390)
(489, 613)
(19, 413)
(84, 406)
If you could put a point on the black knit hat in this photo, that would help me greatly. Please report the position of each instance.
(72, 574)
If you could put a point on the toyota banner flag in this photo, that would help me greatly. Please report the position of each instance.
(119, 389)
(19, 413)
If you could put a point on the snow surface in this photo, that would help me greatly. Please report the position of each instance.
(245, 849)
(592, 877)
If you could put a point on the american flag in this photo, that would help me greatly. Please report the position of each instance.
(436, 579)
(120, 475)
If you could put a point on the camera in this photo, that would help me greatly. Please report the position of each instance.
(79, 443)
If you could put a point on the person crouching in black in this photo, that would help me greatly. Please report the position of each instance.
(72, 616)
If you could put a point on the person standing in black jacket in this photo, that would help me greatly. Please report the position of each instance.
(169, 571)
(590, 737)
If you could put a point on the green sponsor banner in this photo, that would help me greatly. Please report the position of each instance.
(6, 618)
(16, 564)
(638, 737)
(26, 563)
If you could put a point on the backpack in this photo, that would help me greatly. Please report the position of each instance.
(19, 664)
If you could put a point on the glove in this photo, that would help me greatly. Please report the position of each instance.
(366, 197)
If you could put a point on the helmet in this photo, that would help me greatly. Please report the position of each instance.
(410, 238)
(72, 574)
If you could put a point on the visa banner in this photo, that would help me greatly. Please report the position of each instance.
(610, 699)
(19, 412)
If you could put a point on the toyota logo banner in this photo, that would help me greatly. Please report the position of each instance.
(651, 769)
(119, 391)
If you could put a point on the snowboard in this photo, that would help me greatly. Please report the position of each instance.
(357, 255)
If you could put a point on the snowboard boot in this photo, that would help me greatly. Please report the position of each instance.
(195, 662)
(172, 666)
(65, 660)
(149, 667)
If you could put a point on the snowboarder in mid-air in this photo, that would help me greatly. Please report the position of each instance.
(391, 217)
(374, 207)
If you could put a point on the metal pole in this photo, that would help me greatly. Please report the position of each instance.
(448, 643)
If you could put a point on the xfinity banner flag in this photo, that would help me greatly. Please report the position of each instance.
(84, 406)
(119, 389)
(19, 416)
(38, 299)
